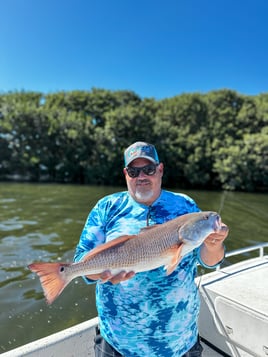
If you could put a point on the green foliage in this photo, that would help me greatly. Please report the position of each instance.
(217, 140)
(243, 165)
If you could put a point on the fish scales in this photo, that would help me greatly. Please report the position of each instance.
(155, 246)
(148, 245)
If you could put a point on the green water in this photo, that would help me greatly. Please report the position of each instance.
(44, 222)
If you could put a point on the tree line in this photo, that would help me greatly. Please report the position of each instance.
(216, 140)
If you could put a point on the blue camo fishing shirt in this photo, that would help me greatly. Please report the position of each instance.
(151, 314)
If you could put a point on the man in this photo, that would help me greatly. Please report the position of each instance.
(148, 314)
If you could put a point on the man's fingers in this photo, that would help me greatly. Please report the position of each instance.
(105, 276)
(122, 276)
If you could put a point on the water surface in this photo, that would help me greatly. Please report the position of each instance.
(44, 222)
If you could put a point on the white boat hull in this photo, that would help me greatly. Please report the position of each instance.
(76, 341)
(234, 312)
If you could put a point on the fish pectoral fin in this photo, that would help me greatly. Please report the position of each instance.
(113, 243)
(176, 257)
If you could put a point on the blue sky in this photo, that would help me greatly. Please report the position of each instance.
(155, 48)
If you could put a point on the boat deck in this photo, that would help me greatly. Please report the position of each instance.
(234, 313)
(76, 341)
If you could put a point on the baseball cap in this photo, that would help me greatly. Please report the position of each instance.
(141, 150)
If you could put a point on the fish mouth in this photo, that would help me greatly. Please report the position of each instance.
(217, 223)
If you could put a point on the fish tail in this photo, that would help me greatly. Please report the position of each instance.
(52, 278)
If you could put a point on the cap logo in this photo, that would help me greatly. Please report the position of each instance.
(141, 150)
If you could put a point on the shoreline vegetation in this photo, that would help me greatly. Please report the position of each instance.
(213, 141)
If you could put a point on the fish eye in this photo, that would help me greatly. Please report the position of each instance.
(61, 269)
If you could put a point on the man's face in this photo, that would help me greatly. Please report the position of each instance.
(144, 188)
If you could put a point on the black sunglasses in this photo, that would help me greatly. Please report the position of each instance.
(148, 170)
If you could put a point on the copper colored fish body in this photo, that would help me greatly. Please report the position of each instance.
(155, 246)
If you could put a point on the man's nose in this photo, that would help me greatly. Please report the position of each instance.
(141, 174)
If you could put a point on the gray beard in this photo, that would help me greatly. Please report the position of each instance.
(143, 195)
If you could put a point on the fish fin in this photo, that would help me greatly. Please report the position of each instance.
(51, 277)
(176, 257)
(113, 243)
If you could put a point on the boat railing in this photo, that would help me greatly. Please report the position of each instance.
(259, 247)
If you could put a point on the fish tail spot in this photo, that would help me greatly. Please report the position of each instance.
(51, 278)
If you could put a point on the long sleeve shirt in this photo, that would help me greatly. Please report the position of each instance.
(151, 314)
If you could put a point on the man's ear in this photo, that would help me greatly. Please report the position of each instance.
(161, 168)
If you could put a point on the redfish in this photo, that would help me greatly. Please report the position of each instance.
(155, 246)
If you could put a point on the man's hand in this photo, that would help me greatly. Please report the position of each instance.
(219, 237)
(212, 249)
(114, 279)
